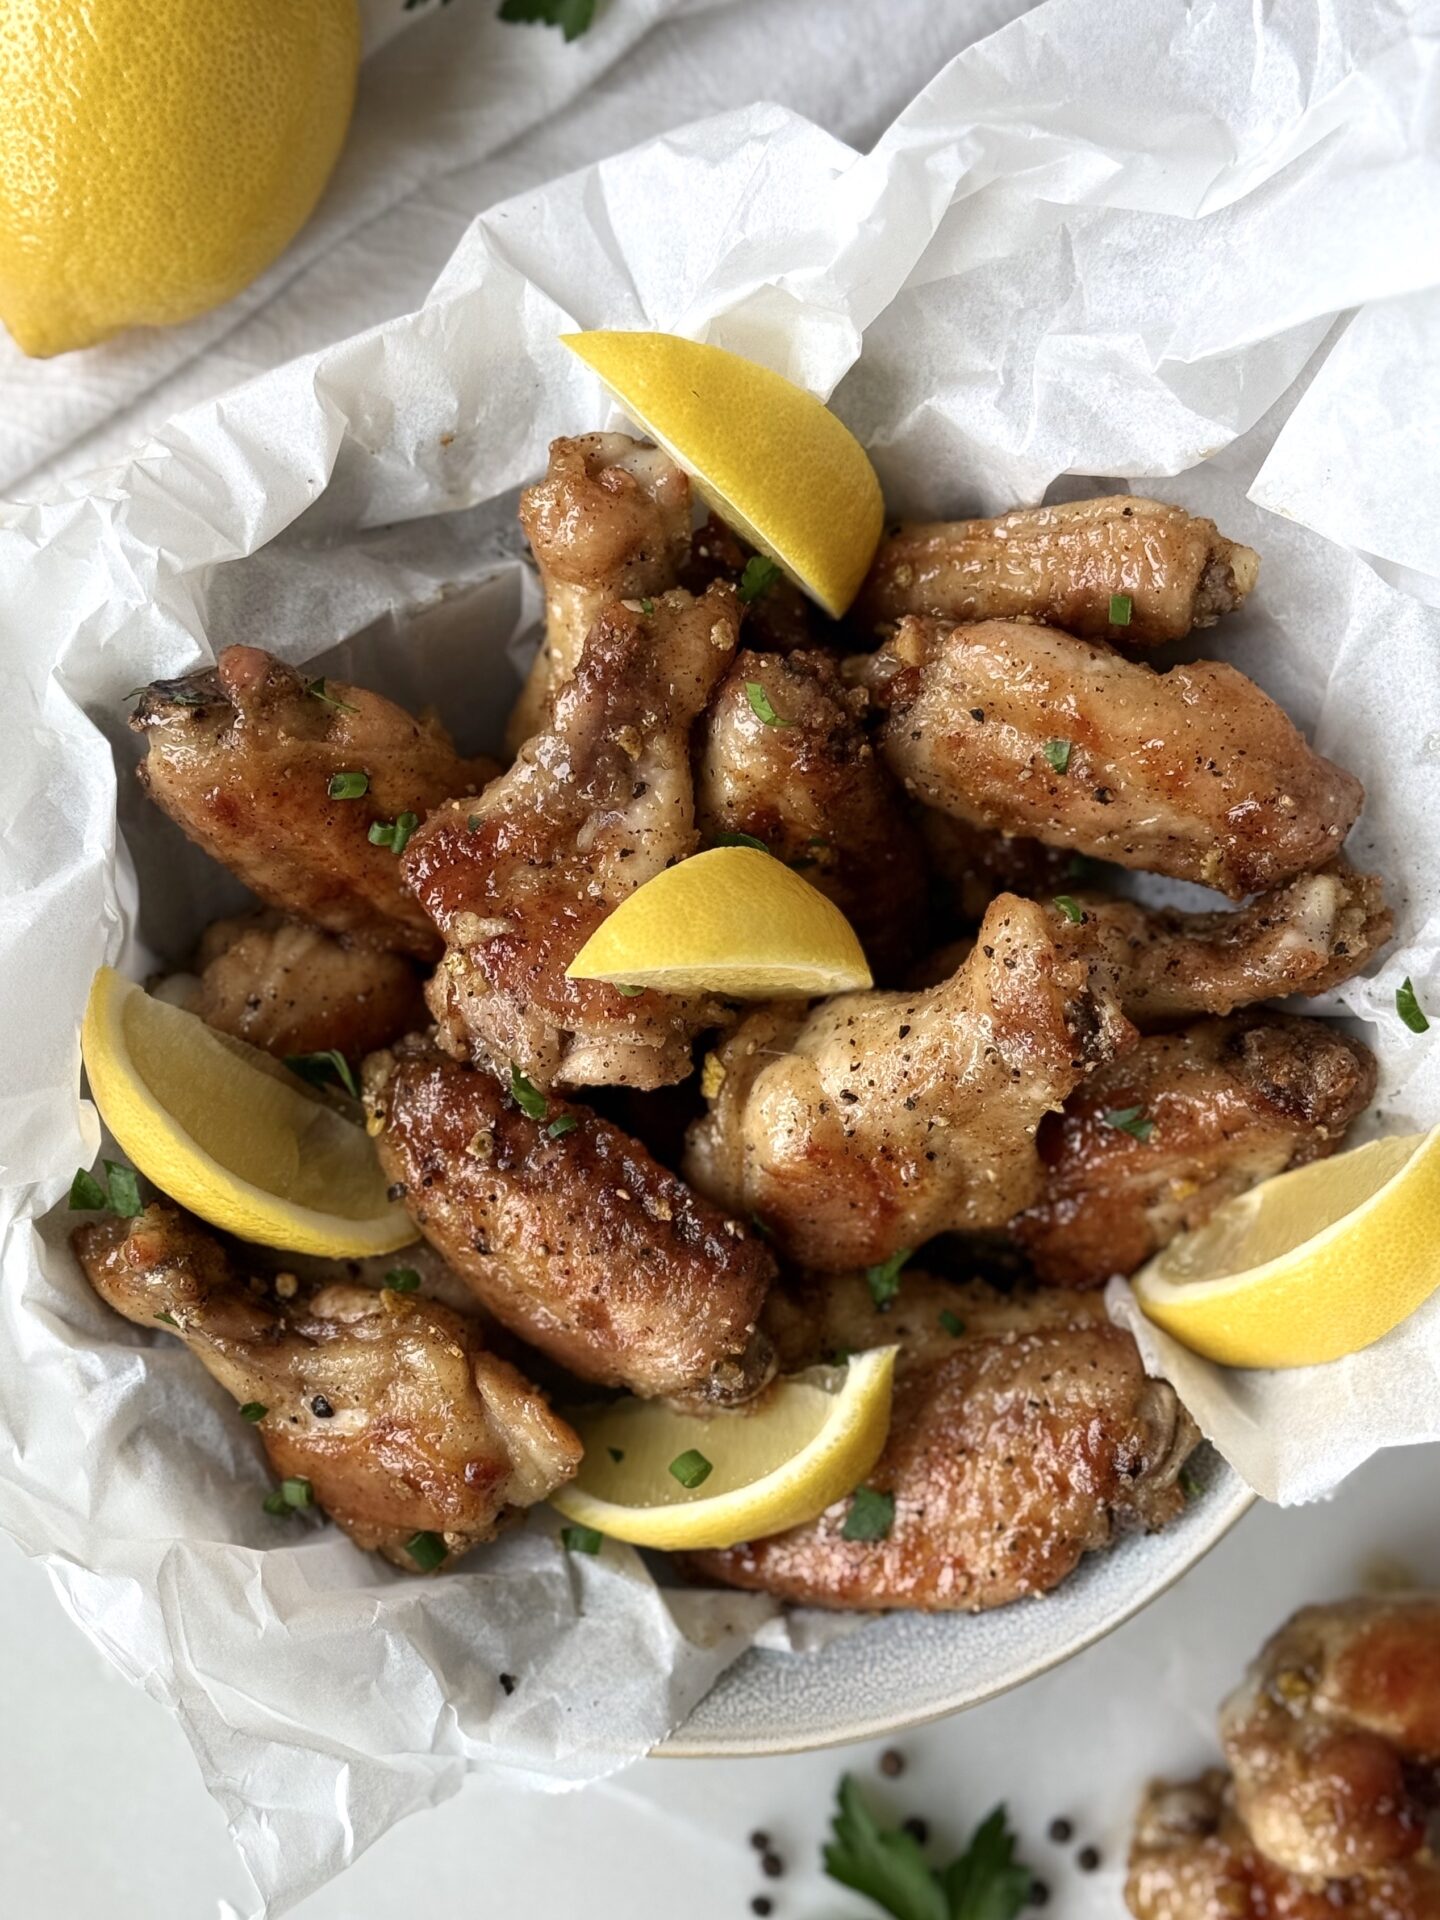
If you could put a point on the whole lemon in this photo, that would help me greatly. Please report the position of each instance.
(155, 155)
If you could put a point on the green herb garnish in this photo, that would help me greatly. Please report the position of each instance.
(884, 1280)
(1072, 909)
(580, 1539)
(169, 1320)
(348, 786)
(401, 1280)
(647, 607)
(759, 577)
(572, 17)
(395, 833)
(888, 1866)
(566, 1123)
(297, 1492)
(317, 691)
(871, 1515)
(952, 1323)
(254, 1411)
(740, 840)
(1409, 1008)
(760, 705)
(1057, 752)
(119, 1192)
(320, 1068)
(527, 1096)
(691, 1467)
(1121, 607)
(427, 1550)
(630, 993)
(1131, 1120)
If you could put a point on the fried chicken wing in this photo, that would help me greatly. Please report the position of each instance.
(777, 619)
(292, 989)
(597, 803)
(1192, 1859)
(1027, 1439)
(1334, 1737)
(242, 757)
(1222, 1105)
(610, 521)
(880, 1119)
(573, 1237)
(970, 865)
(1193, 773)
(810, 786)
(385, 1402)
(1064, 565)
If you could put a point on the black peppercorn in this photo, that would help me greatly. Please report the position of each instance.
(1062, 1831)
(892, 1763)
(321, 1408)
(762, 1904)
(771, 1865)
(1088, 1859)
(760, 1840)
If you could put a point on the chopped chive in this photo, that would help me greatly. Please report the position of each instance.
(86, 1193)
(1121, 607)
(871, 1515)
(647, 607)
(759, 577)
(566, 1123)
(1071, 909)
(1082, 869)
(952, 1323)
(427, 1550)
(884, 1280)
(401, 1280)
(1190, 1486)
(254, 1411)
(320, 1068)
(760, 705)
(580, 1539)
(527, 1096)
(169, 1320)
(1057, 752)
(630, 993)
(348, 786)
(691, 1467)
(617, 1454)
(1131, 1120)
(740, 840)
(297, 1492)
(277, 1504)
(395, 833)
(1409, 1008)
(317, 691)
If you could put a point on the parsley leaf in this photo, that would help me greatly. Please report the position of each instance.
(1057, 752)
(986, 1882)
(1131, 1120)
(952, 1323)
(401, 1280)
(254, 1411)
(740, 840)
(884, 1280)
(318, 691)
(871, 1515)
(320, 1068)
(888, 1866)
(759, 577)
(527, 1095)
(1409, 1008)
(1072, 909)
(573, 17)
(760, 705)
(118, 1192)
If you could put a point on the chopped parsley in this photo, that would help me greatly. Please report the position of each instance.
(691, 1467)
(888, 1865)
(317, 690)
(1409, 1008)
(759, 577)
(348, 786)
(740, 840)
(1131, 1120)
(1190, 1486)
(401, 1280)
(566, 1123)
(1072, 909)
(572, 17)
(884, 1280)
(169, 1320)
(580, 1539)
(760, 705)
(427, 1550)
(647, 607)
(1057, 752)
(871, 1515)
(254, 1411)
(320, 1068)
(630, 993)
(952, 1323)
(395, 833)
(119, 1192)
(527, 1096)
(297, 1492)
(1121, 607)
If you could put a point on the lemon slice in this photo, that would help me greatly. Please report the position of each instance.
(734, 921)
(805, 1442)
(229, 1133)
(1309, 1266)
(769, 457)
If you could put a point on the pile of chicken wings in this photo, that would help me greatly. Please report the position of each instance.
(677, 1195)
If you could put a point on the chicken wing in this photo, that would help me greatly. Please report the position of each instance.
(596, 804)
(1334, 1737)
(294, 989)
(1066, 565)
(1192, 1859)
(778, 618)
(610, 521)
(1204, 1114)
(1018, 1443)
(570, 1233)
(970, 865)
(243, 757)
(1193, 773)
(384, 1402)
(808, 784)
(880, 1119)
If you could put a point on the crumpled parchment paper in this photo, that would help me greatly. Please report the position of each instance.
(1115, 241)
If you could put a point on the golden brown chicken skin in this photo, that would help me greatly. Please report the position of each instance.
(1192, 1859)
(384, 1402)
(571, 1234)
(291, 988)
(809, 785)
(777, 618)
(1334, 1737)
(610, 521)
(1018, 1444)
(597, 803)
(880, 1119)
(1065, 565)
(1154, 1142)
(242, 757)
(1194, 773)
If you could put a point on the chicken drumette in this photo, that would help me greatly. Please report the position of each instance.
(384, 1402)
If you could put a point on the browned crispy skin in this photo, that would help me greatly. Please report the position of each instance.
(1192, 1859)
(292, 988)
(426, 1432)
(881, 1119)
(1228, 1103)
(811, 787)
(581, 1243)
(597, 803)
(242, 756)
(1063, 564)
(775, 621)
(1194, 773)
(1027, 1440)
(1334, 1737)
(610, 521)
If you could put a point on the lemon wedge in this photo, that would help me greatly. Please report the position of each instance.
(807, 1441)
(1309, 1266)
(230, 1133)
(734, 921)
(770, 458)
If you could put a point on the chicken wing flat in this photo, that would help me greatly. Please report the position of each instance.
(1334, 1737)
(1192, 1859)
(1207, 1112)
(808, 783)
(1019, 1443)
(243, 756)
(384, 1402)
(572, 1235)
(1066, 565)
(292, 989)
(1194, 773)
(597, 803)
(880, 1119)
(610, 521)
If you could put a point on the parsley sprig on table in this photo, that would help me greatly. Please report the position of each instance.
(888, 1866)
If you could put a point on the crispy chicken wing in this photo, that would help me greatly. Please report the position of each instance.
(1334, 1737)
(1064, 565)
(384, 1402)
(293, 989)
(810, 786)
(1193, 773)
(776, 620)
(1020, 1443)
(242, 757)
(574, 1238)
(1222, 1105)
(1192, 1859)
(969, 865)
(610, 521)
(597, 803)
(880, 1119)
